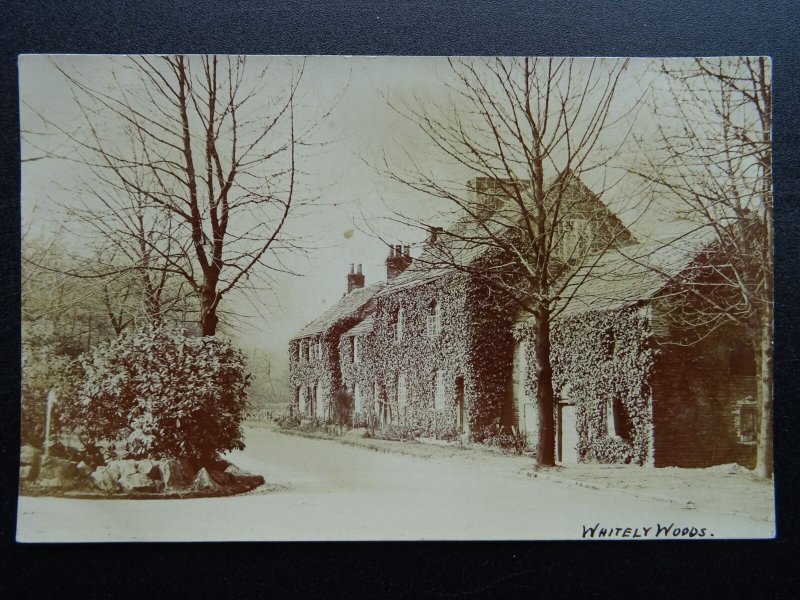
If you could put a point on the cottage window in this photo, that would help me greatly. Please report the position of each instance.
(618, 422)
(608, 342)
(438, 403)
(301, 399)
(399, 325)
(402, 393)
(748, 422)
(319, 349)
(358, 399)
(434, 320)
(356, 350)
(318, 396)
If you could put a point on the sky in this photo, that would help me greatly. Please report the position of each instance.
(353, 200)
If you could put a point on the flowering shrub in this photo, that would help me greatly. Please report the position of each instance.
(163, 394)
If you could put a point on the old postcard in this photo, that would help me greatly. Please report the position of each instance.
(396, 298)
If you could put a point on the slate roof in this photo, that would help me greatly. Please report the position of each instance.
(465, 242)
(348, 306)
(630, 274)
(364, 327)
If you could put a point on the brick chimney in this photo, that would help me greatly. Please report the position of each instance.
(398, 260)
(355, 279)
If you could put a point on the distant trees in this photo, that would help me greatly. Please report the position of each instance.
(191, 174)
(712, 156)
(533, 128)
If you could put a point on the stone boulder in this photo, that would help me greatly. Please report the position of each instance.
(28, 455)
(176, 473)
(139, 482)
(57, 472)
(122, 468)
(244, 477)
(30, 460)
(205, 482)
(104, 480)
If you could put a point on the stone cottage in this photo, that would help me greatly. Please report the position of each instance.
(433, 351)
(633, 382)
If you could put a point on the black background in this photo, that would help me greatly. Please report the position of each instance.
(761, 569)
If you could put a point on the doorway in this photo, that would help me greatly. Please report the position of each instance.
(461, 413)
(567, 445)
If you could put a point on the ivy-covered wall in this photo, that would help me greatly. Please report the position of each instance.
(473, 343)
(324, 369)
(602, 363)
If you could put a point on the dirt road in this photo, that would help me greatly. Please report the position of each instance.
(321, 490)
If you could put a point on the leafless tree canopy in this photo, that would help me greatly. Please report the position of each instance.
(193, 173)
(714, 157)
(533, 128)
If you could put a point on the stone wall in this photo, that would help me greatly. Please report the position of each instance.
(697, 392)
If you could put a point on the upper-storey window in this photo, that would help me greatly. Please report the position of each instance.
(356, 350)
(573, 238)
(319, 349)
(434, 320)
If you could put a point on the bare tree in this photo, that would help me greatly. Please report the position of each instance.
(530, 130)
(713, 156)
(193, 172)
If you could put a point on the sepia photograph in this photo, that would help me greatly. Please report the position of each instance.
(350, 298)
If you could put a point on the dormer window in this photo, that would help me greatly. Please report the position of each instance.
(434, 320)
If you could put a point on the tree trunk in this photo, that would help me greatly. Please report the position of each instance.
(208, 310)
(764, 447)
(545, 447)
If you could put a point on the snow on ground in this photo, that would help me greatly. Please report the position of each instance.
(320, 489)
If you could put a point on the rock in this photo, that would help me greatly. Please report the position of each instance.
(146, 466)
(28, 455)
(205, 482)
(102, 479)
(244, 477)
(25, 472)
(122, 468)
(57, 468)
(221, 477)
(176, 472)
(138, 482)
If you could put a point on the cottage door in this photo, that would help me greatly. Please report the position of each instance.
(525, 410)
(567, 443)
(461, 414)
(530, 423)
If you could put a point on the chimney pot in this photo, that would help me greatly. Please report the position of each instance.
(355, 280)
(398, 250)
